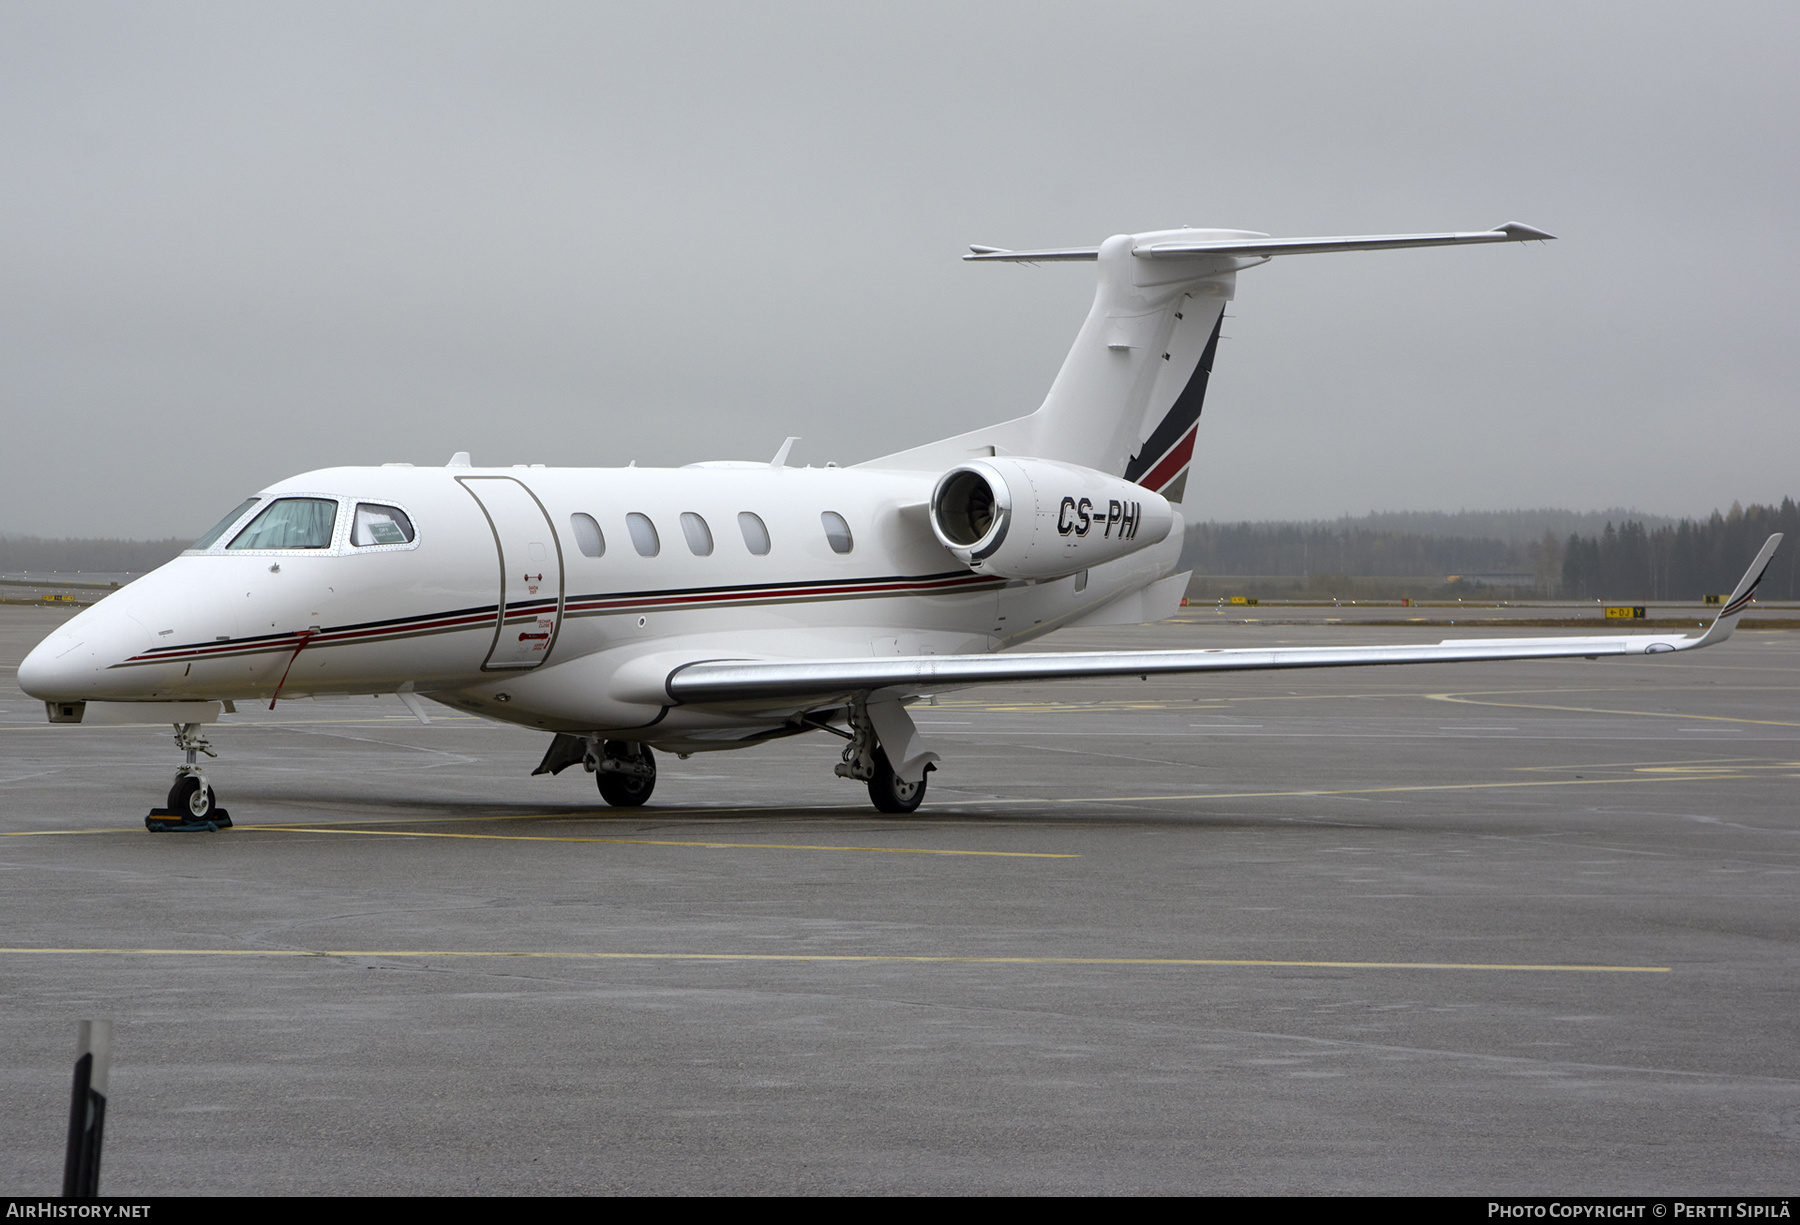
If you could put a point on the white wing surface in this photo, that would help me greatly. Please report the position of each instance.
(721, 681)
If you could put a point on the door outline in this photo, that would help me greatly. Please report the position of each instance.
(500, 559)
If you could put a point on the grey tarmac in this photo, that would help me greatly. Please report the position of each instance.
(1486, 929)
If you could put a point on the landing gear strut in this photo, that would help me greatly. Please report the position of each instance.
(192, 807)
(865, 760)
(626, 772)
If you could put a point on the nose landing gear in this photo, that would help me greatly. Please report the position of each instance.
(192, 807)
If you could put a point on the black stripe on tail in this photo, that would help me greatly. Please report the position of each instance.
(1181, 415)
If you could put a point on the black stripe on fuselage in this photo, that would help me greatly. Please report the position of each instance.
(598, 603)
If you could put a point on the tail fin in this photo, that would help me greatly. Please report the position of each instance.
(1137, 372)
(1161, 463)
(1127, 399)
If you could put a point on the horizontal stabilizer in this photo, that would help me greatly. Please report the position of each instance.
(1032, 257)
(1308, 246)
(1265, 247)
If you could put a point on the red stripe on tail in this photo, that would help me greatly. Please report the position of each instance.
(1170, 466)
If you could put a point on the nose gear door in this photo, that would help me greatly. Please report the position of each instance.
(531, 572)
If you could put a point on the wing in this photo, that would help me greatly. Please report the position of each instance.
(804, 682)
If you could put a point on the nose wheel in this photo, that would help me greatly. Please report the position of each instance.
(192, 807)
(191, 797)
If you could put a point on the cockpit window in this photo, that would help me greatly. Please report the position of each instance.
(380, 525)
(290, 523)
(218, 529)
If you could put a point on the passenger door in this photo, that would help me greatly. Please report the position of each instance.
(531, 572)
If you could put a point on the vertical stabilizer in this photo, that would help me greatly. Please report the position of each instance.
(1127, 399)
(1129, 393)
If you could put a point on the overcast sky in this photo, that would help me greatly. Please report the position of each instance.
(242, 241)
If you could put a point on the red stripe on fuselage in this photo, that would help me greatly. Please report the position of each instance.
(442, 622)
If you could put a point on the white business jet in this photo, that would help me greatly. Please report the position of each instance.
(726, 603)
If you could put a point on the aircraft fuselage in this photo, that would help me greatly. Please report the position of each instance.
(503, 602)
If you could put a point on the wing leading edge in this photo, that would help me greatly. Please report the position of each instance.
(733, 681)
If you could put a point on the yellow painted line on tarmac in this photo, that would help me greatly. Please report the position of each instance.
(1715, 771)
(1073, 707)
(1594, 710)
(1656, 774)
(1746, 763)
(710, 845)
(1252, 795)
(237, 725)
(749, 846)
(853, 958)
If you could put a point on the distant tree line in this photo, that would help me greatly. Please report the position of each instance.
(70, 554)
(1307, 549)
(1627, 560)
(1695, 557)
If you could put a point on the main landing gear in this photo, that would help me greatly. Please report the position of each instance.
(889, 793)
(625, 769)
(864, 759)
(626, 772)
(192, 807)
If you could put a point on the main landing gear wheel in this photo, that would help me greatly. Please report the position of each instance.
(187, 798)
(888, 793)
(629, 787)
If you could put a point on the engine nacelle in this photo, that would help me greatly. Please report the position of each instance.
(1037, 518)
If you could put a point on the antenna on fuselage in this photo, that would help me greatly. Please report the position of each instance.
(781, 456)
(459, 460)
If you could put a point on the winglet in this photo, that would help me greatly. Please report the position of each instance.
(781, 456)
(1741, 596)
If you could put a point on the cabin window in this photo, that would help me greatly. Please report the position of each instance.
(290, 523)
(380, 525)
(218, 529)
(699, 536)
(643, 534)
(587, 535)
(837, 532)
(756, 533)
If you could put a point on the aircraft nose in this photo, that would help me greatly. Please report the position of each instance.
(42, 674)
(70, 665)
